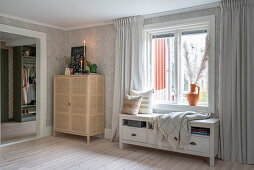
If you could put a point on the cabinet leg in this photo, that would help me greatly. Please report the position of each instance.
(88, 139)
(212, 160)
(103, 135)
(54, 133)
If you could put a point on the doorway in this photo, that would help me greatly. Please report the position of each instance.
(34, 109)
(18, 87)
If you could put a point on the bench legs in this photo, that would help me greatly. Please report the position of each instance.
(212, 160)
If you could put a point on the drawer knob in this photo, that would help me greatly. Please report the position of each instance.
(193, 143)
(133, 134)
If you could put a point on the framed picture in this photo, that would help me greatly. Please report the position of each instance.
(78, 54)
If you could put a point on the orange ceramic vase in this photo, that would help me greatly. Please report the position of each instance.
(193, 96)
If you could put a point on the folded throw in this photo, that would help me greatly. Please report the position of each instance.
(174, 127)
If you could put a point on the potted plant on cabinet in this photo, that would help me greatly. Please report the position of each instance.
(92, 67)
(195, 72)
(69, 63)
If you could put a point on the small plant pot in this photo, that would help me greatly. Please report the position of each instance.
(93, 68)
(71, 71)
(67, 71)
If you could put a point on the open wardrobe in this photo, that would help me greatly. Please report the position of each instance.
(24, 88)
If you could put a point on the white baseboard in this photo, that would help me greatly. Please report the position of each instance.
(49, 131)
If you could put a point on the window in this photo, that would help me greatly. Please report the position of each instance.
(194, 43)
(175, 55)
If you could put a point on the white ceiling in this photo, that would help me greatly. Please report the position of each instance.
(69, 14)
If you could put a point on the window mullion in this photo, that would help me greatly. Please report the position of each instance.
(176, 67)
(180, 68)
(151, 60)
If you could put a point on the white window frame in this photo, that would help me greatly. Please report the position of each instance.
(170, 26)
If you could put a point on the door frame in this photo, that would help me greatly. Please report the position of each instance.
(41, 74)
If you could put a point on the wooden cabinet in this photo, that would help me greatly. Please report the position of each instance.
(79, 105)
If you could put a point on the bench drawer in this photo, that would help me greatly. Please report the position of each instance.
(135, 134)
(199, 144)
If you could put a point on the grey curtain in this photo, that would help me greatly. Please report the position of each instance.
(237, 81)
(128, 63)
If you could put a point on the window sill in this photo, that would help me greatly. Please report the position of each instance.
(181, 108)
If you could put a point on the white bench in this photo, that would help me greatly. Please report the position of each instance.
(201, 145)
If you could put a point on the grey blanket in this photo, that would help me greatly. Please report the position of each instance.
(174, 127)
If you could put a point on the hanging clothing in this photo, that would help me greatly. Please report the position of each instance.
(25, 84)
(32, 76)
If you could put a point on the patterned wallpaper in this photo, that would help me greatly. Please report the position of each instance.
(100, 49)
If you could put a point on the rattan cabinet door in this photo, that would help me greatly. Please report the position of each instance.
(78, 107)
(96, 105)
(62, 103)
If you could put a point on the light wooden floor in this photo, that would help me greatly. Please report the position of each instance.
(14, 131)
(71, 152)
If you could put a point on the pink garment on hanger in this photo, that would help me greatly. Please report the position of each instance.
(25, 84)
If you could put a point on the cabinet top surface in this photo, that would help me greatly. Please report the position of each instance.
(85, 75)
(148, 116)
